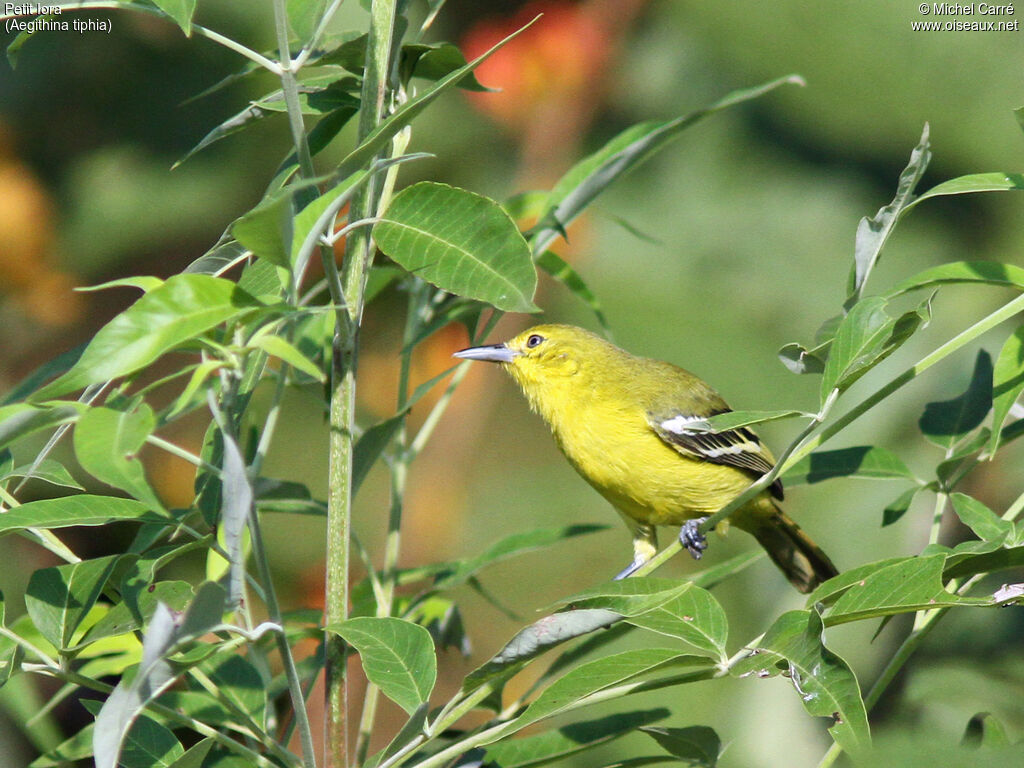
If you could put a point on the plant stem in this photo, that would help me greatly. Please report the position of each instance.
(349, 297)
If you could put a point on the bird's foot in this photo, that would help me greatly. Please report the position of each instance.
(691, 537)
(630, 569)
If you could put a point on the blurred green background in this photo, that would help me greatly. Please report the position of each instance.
(746, 224)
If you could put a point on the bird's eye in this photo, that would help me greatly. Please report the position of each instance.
(534, 340)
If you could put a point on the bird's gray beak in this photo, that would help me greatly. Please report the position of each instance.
(492, 353)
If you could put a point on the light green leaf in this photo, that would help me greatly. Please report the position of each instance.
(398, 657)
(46, 470)
(58, 598)
(697, 745)
(862, 461)
(462, 242)
(825, 683)
(946, 423)
(281, 349)
(180, 310)
(975, 182)
(563, 272)
(1007, 383)
(723, 422)
(179, 10)
(142, 282)
(628, 597)
(985, 523)
(190, 394)
(107, 443)
(22, 419)
(544, 748)
(592, 175)
(303, 16)
(986, 732)
(979, 272)
(905, 586)
(693, 616)
(872, 233)
(267, 230)
(83, 509)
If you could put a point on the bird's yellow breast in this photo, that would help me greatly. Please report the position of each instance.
(611, 444)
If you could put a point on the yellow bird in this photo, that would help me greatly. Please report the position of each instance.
(626, 424)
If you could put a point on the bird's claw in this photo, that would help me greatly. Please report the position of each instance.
(691, 537)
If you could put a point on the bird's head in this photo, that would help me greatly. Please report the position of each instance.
(543, 356)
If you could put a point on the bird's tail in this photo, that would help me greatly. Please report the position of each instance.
(804, 563)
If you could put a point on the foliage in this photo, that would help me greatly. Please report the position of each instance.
(192, 663)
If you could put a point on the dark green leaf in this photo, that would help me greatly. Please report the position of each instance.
(825, 683)
(872, 233)
(401, 117)
(178, 311)
(398, 657)
(898, 507)
(107, 443)
(59, 598)
(985, 731)
(434, 62)
(195, 756)
(149, 745)
(179, 10)
(77, 510)
(973, 557)
(697, 745)
(563, 272)
(570, 739)
(865, 461)
(461, 242)
(946, 423)
(985, 523)
(981, 272)
(592, 175)
(267, 230)
(1007, 383)
(238, 682)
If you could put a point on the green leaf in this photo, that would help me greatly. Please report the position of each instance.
(107, 443)
(592, 175)
(401, 117)
(801, 360)
(872, 233)
(898, 507)
(693, 616)
(303, 16)
(150, 745)
(145, 283)
(724, 422)
(281, 349)
(239, 683)
(1007, 383)
(179, 10)
(434, 62)
(510, 546)
(975, 182)
(972, 557)
(413, 729)
(46, 470)
(21, 419)
(267, 230)
(58, 598)
(979, 272)
(985, 731)
(233, 124)
(180, 310)
(371, 445)
(697, 745)
(194, 757)
(906, 586)
(600, 674)
(985, 523)
(862, 461)
(629, 597)
(397, 656)
(83, 509)
(563, 272)
(946, 423)
(570, 739)
(825, 683)
(461, 242)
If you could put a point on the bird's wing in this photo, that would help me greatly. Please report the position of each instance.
(739, 448)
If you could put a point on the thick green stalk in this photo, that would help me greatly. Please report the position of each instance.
(358, 254)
